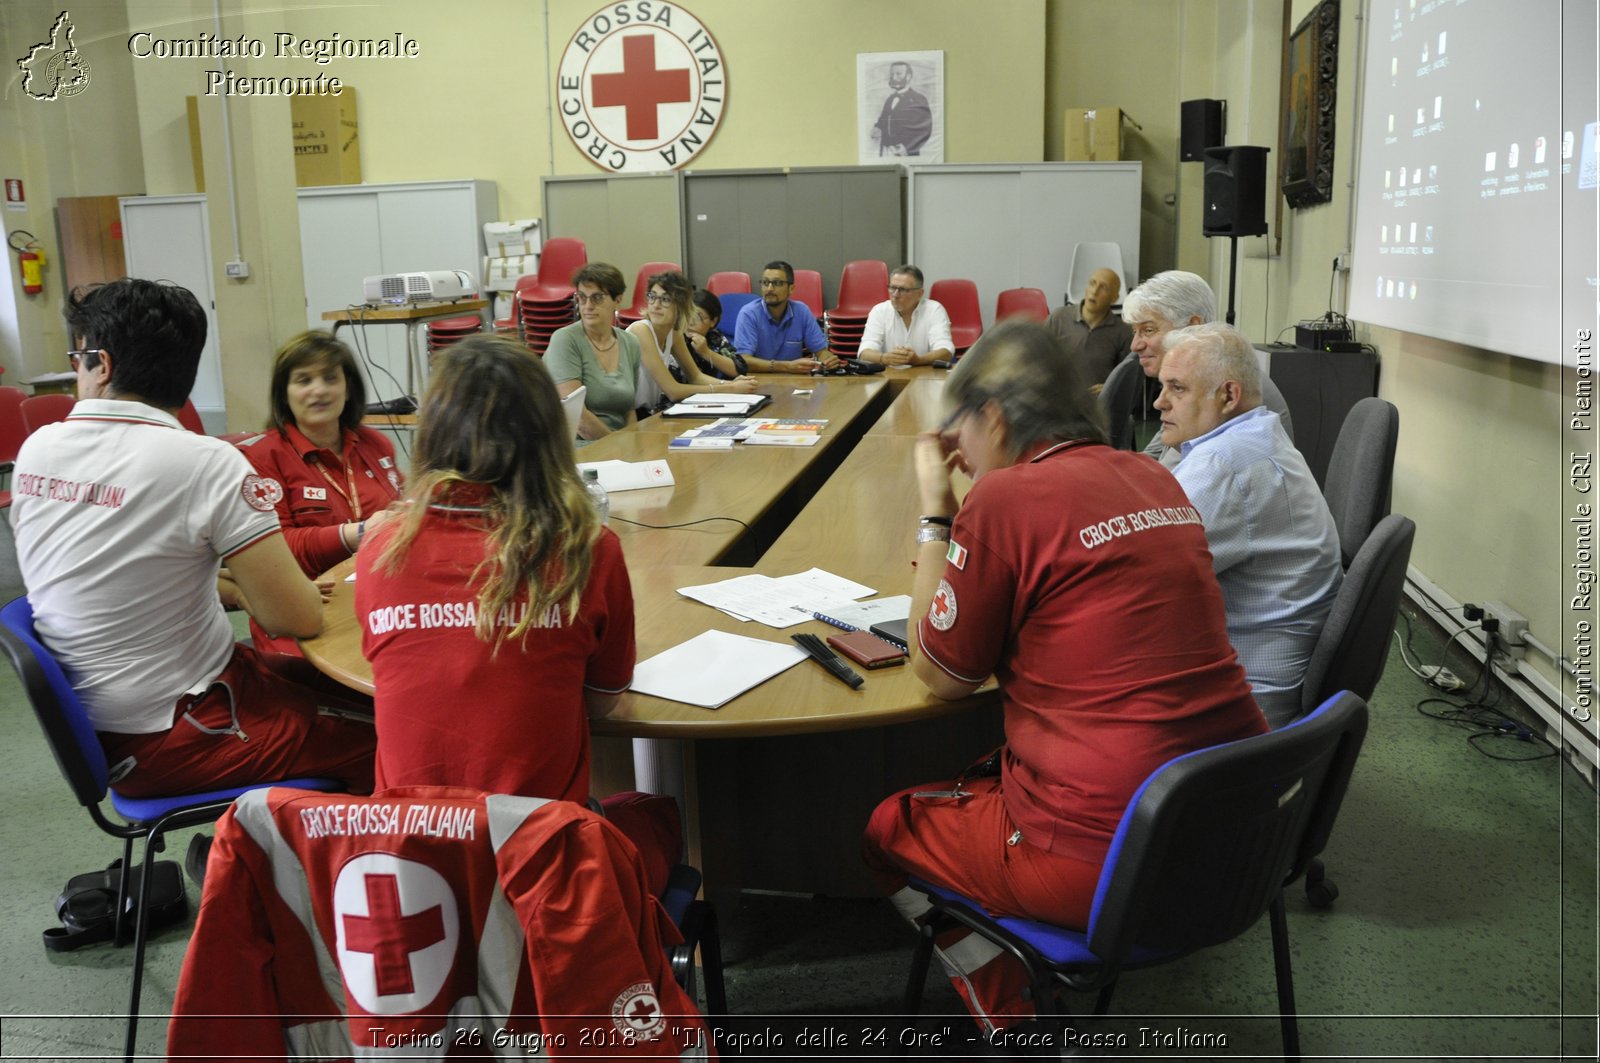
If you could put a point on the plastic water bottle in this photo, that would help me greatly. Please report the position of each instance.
(602, 501)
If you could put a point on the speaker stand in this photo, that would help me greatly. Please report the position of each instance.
(1233, 273)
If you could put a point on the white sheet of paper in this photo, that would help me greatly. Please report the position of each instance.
(713, 668)
(777, 602)
(864, 614)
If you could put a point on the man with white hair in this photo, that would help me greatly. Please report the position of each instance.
(1172, 300)
(1273, 543)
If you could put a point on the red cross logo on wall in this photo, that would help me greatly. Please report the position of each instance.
(641, 88)
(391, 936)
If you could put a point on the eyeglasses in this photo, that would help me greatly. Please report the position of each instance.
(656, 298)
(950, 423)
(593, 298)
(893, 290)
(74, 357)
(767, 282)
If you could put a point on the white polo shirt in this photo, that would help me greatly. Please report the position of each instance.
(929, 329)
(122, 518)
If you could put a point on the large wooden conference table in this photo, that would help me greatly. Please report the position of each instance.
(777, 783)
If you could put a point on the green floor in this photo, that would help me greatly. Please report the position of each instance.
(1466, 928)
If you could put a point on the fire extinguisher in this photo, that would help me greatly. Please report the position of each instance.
(31, 257)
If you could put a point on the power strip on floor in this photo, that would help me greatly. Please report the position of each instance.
(1439, 676)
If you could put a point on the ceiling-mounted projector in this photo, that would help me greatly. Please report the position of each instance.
(418, 287)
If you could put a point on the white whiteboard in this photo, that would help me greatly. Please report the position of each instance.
(1014, 226)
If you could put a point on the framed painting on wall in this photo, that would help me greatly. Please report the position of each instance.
(1310, 81)
(900, 106)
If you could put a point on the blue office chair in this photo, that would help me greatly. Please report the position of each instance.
(697, 921)
(1207, 844)
(83, 763)
(732, 303)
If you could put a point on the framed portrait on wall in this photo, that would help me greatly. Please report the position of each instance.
(900, 106)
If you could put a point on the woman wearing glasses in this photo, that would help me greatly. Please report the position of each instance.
(1078, 576)
(593, 353)
(497, 611)
(669, 370)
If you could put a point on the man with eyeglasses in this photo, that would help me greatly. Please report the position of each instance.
(780, 334)
(1091, 331)
(907, 329)
(1171, 300)
(124, 521)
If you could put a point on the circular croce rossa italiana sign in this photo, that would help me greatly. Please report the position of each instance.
(642, 87)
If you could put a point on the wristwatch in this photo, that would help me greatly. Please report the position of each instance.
(933, 533)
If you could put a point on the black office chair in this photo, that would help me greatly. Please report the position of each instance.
(1354, 645)
(696, 920)
(83, 763)
(1122, 397)
(1206, 845)
(1361, 472)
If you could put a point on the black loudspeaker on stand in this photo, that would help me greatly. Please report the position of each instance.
(1235, 201)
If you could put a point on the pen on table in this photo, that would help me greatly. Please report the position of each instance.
(820, 653)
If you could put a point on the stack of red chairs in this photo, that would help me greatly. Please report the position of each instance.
(634, 311)
(445, 331)
(546, 305)
(864, 285)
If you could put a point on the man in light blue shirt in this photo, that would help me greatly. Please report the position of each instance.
(1273, 542)
(778, 334)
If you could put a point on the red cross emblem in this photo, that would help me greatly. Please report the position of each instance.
(261, 492)
(391, 936)
(641, 88)
(637, 1012)
(942, 612)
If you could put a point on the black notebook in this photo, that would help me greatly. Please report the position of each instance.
(893, 631)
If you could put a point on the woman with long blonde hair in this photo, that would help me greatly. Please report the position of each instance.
(496, 610)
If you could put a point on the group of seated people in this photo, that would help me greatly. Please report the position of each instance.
(1131, 612)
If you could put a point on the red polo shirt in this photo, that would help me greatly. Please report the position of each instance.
(1080, 579)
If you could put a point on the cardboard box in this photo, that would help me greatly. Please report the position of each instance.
(500, 274)
(327, 147)
(511, 239)
(327, 150)
(1093, 134)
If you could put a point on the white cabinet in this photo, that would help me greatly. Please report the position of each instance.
(347, 233)
(351, 232)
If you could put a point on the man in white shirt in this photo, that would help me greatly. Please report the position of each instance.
(123, 521)
(1273, 543)
(907, 329)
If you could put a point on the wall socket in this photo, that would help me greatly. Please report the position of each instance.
(238, 269)
(1341, 262)
(1513, 625)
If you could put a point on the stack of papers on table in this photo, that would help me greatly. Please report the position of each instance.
(788, 433)
(713, 668)
(778, 602)
(716, 404)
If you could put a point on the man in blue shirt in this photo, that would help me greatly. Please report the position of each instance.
(779, 335)
(1273, 542)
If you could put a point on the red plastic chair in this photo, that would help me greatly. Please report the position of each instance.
(559, 259)
(189, 417)
(728, 282)
(808, 289)
(641, 287)
(12, 429)
(40, 410)
(1022, 302)
(864, 285)
(960, 300)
